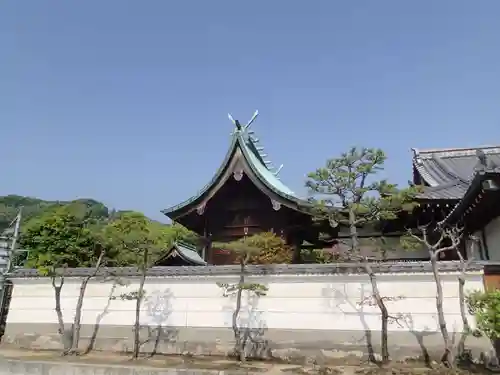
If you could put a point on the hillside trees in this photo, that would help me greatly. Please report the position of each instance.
(138, 241)
(84, 233)
(57, 240)
(347, 192)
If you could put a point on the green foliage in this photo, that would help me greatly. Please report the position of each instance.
(270, 249)
(241, 247)
(345, 186)
(131, 296)
(129, 236)
(34, 208)
(485, 306)
(58, 233)
(261, 248)
(319, 256)
(59, 238)
(232, 289)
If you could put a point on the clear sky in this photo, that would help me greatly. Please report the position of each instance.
(127, 101)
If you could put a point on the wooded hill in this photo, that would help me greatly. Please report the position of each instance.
(72, 231)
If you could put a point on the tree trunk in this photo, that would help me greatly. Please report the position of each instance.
(60, 319)
(463, 313)
(138, 302)
(383, 311)
(447, 357)
(79, 305)
(78, 315)
(353, 232)
(238, 339)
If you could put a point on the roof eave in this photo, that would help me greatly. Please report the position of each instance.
(470, 194)
(176, 210)
(177, 247)
(298, 203)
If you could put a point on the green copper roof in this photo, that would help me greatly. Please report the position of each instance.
(258, 165)
(187, 252)
(244, 139)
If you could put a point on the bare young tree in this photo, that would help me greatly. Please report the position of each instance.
(439, 240)
(462, 298)
(79, 304)
(133, 233)
(244, 250)
(57, 280)
(347, 192)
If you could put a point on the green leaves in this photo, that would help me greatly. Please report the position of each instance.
(348, 185)
(232, 289)
(485, 306)
(261, 248)
(74, 234)
(59, 239)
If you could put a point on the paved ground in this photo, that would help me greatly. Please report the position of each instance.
(99, 363)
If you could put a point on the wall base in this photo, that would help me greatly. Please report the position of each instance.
(289, 345)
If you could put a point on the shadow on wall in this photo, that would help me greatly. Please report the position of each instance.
(251, 324)
(336, 297)
(100, 317)
(159, 309)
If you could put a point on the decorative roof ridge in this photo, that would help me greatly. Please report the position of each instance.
(453, 152)
(250, 140)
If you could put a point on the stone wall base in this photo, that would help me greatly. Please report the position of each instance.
(289, 345)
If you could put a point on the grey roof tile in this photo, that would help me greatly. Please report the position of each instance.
(260, 270)
(448, 172)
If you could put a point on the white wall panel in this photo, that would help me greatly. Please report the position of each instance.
(293, 302)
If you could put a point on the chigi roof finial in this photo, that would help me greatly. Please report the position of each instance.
(245, 127)
(255, 114)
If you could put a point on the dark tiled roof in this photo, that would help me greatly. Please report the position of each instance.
(448, 172)
(445, 191)
(475, 188)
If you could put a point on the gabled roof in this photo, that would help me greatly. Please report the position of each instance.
(447, 173)
(186, 252)
(245, 143)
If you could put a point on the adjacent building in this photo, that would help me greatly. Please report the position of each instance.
(246, 196)
(462, 187)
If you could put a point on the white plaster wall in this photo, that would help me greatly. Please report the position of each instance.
(474, 249)
(293, 302)
(492, 235)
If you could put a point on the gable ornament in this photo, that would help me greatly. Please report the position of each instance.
(276, 205)
(238, 174)
(200, 209)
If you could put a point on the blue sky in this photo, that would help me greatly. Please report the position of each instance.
(127, 101)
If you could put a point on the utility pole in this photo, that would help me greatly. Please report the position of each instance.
(8, 252)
